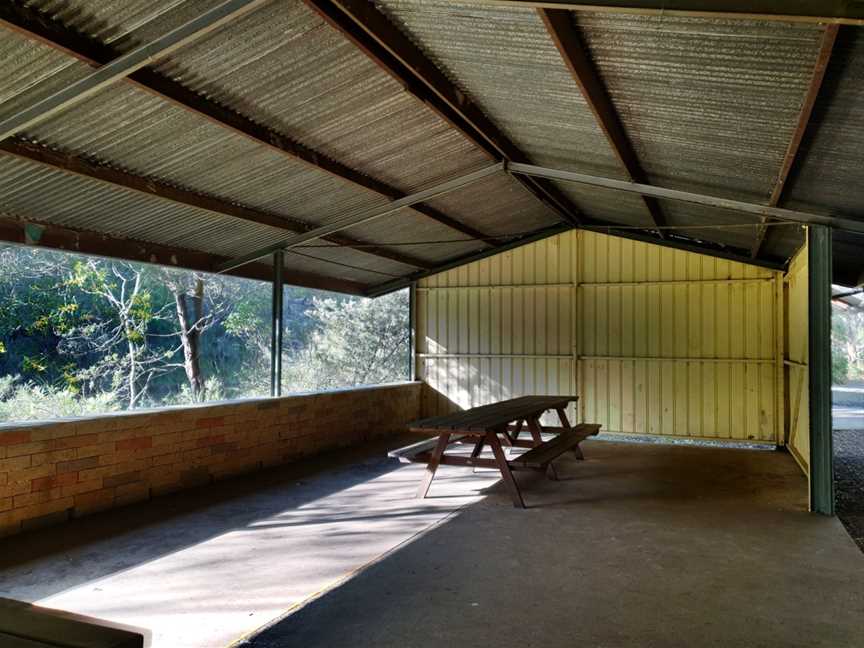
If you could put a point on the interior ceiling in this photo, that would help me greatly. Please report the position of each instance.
(297, 113)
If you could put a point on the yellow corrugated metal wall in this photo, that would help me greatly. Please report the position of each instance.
(796, 361)
(653, 340)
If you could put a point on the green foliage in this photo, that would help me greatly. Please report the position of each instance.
(847, 343)
(354, 342)
(82, 335)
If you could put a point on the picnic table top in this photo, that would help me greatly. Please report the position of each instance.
(490, 417)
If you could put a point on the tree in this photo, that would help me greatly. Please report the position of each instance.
(355, 342)
(122, 340)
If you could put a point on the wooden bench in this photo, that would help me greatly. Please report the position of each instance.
(419, 452)
(539, 457)
(23, 625)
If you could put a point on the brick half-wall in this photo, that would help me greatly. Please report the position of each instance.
(53, 471)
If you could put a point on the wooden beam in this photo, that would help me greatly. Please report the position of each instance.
(563, 32)
(34, 25)
(79, 166)
(838, 12)
(46, 235)
(826, 47)
(373, 33)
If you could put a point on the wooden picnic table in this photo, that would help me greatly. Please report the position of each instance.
(494, 425)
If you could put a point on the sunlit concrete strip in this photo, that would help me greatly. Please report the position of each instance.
(288, 544)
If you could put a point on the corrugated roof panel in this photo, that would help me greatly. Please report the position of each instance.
(828, 176)
(496, 205)
(344, 263)
(505, 61)
(110, 20)
(607, 205)
(31, 72)
(128, 128)
(38, 193)
(741, 235)
(425, 235)
(284, 67)
(709, 105)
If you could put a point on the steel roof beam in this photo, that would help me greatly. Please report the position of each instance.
(366, 215)
(829, 36)
(570, 46)
(125, 65)
(94, 244)
(79, 166)
(34, 25)
(838, 12)
(777, 213)
(373, 33)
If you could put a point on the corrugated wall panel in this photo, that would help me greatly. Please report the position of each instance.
(797, 360)
(653, 340)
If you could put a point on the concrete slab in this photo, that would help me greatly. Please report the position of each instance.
(640, 545)
(644, 546)
(204, 569)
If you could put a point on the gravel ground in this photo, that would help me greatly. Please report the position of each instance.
(849, 478)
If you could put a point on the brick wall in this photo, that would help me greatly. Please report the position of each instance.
(55, 470)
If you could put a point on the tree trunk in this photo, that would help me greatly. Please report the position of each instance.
(190, 335)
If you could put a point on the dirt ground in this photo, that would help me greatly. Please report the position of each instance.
(849, 481)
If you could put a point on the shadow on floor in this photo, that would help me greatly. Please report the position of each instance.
(640, 546)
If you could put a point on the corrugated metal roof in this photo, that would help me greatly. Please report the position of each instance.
(496, 205)
(290, 70)
(407, 226)
(709, 105)
(32, 191)
(115, 20)
(505, 61)
(829, 175)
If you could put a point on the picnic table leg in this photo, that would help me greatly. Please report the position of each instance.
(433, 464)
(562, 416)
(478, 448)
(536, 435)
(517, 429)
(509, 481)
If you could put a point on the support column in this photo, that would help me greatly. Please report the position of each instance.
(276, 332)
(412, 331)
(819, 314)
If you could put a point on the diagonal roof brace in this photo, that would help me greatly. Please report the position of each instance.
(126, 64)
(778, 213)
(366, 215)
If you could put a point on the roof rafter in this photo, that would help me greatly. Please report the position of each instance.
(80, 166)
(83, 242)
(36, 26)
(826, 47)
(563, 32)
(373, 33)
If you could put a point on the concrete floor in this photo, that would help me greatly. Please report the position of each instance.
(640, 545)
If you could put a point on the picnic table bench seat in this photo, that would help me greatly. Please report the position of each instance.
(490, 426)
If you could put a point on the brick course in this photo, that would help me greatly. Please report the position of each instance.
(56, 470)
